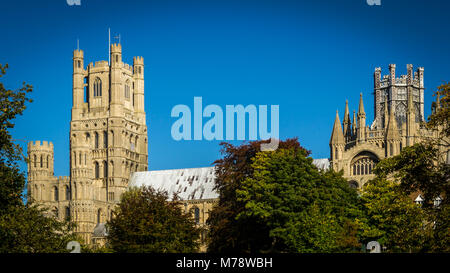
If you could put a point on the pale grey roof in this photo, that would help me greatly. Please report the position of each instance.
(189, 184)
(322, 163)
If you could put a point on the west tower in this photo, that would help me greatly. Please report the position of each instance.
(108, 134)
(108, 142)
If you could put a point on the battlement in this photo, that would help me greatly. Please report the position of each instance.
(128, 67)
(116, 48)
(414, 78)
(99, 64)
(38, 146)
(63, 179)
(138, 60)
(78, 53)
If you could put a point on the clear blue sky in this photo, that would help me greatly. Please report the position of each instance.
(305, 56)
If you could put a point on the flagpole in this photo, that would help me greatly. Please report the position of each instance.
(109, 46)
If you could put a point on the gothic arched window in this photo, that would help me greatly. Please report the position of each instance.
(97, 87)
(35, 160)
(105, 139)
(67, 213)
(111, 169)
(105, 169)
(67, 193)
(96, 140)
(112, 139)
(127, 90)
(197, 215)
(363, 163)
(55, 194)
(96, 170)
(48, 159)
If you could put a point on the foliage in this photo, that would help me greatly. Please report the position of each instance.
(12, 104)
(145, 221)
(418, 168)
(23, 227)
(280, 202)
(392, 218)
(231, 170)
(441, 112)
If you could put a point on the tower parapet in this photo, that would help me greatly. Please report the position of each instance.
(40, 156)
(40, 169)
(395, 89)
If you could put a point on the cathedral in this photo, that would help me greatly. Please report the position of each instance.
(109, 145)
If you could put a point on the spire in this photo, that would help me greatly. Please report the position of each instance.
(347, 123)
(337, 136)
(361, 105)
(361, 129)
(392, 129)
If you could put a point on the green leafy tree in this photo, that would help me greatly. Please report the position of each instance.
(441, 110)
(418, 168)
(392, 218)
(23, 227)
(225, 235)
(145, 221)
(12, 104)
(282, 203)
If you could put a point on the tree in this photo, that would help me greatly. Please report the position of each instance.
(23, 227)
(145, 221)
(12, 104)
(231, 170)
(279, 201)
(418, 168)
(441, 110)
(392, 218)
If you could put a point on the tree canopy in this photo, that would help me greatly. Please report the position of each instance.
(278, 201)
(146, 221)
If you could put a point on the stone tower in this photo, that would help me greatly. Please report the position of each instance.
(398, 108)
(108, 141)
(43, 187)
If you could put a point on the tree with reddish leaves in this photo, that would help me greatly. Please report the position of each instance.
(278, 201)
